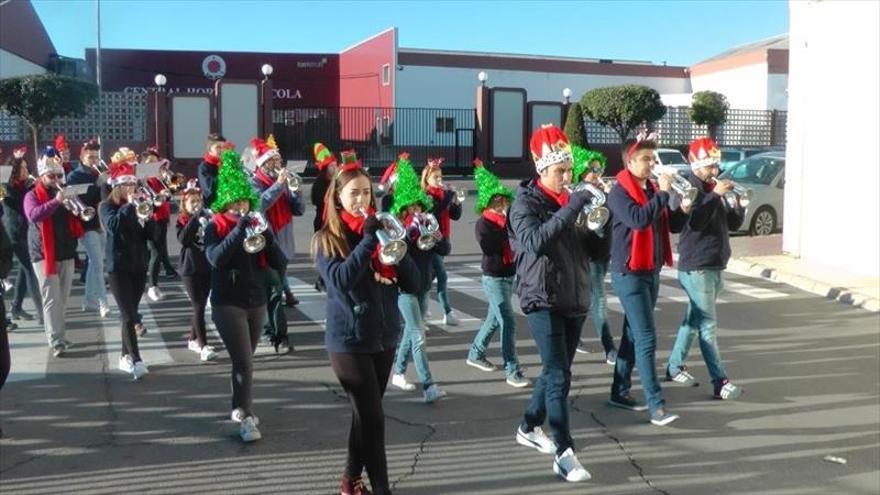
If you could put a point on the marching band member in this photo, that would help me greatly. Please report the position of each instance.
(446, 208)
(6, 251)
(704, 248)
(363, 322)
(63, 150)
(194, 268)
(386, 185)
(16, 225)
(158, 244)
(493, 200)
(209, 167)
(554, 280)
(326, 163)
(238, 280)
(126, 260)
(640, 246)
(410, 201)
(94, 239)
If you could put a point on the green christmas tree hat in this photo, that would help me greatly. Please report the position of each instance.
(408, 189)
(582, 158)
(488, 186)
(232, 183)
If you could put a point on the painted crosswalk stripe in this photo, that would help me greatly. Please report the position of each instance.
(151, 346)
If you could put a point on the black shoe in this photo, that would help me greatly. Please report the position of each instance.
(626, 402)
(20, 314)
(289, 299)
(171, 273)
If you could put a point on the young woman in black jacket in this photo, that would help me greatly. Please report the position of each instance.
(16, 225)
(194, 268)
(363, 322)
(126, 260)
(238, 281)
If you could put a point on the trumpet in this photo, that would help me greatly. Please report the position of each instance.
(102, 167)
(391, 238)
(739, 196)
(175, 181)
(205, 217)
(294, 181)
(385, 187)
(143, 205)
(428, 228)
(254, 240)
(681, 186)
(157, 198)
(595, 215)
(3, 192)
(460, 195)
(78, 209)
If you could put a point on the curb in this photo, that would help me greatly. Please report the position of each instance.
(840, 294)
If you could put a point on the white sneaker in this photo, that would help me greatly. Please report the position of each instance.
(154, 293)
(126, 364)
(207, 353)
(238, 416)
(103, 309)
(194, 346)
(140, 369)
(450, 320)
(433, 394)
(249, 431)
(400, 382)
(568, 466)
(536, 439)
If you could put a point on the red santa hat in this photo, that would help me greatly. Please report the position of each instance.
(389, 177)
(262, 151)
(549, 146)
(122, 173)
(61, 143)
(703, 152)
(323, 156)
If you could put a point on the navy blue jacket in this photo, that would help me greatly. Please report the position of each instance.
(14, 220)
(362, 314)
(126, 238)
(85, 175)
(627, 216)
(704, 242)
(319, 190)
(552, 271)
(237, 279)
(492, 239)
(208, 182)
(424, 261)
(192, 249)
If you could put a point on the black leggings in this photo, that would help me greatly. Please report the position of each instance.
(240, 330)
(159, 252)
(127, 289)
(5, 354)
(364, 377)
(26, 281)
(197, 286)
(276, 324)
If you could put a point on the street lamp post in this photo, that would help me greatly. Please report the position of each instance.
(266, 99)
(483, 77)
(566, 95)
(160, 81)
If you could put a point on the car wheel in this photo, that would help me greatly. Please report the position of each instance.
(763, 222)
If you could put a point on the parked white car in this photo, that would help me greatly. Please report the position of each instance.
(673, 158)
(764, 174)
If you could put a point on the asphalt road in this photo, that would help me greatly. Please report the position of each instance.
(810, 368)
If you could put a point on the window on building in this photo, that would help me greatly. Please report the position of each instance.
(445, 124)
(386, 75)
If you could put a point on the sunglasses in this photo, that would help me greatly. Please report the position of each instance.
(597, 170)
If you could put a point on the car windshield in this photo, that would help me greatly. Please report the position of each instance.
(671, 158)
(755, 170)
(730, 156)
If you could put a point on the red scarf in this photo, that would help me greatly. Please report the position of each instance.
(500, 221)
(225, 222)
(47, 230)
(438, 193)
(641, 256)
(355, 223)
(279, 213)
(160, 213)
(211, 159)
(559, 198)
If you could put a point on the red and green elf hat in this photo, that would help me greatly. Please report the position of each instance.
(323, 156)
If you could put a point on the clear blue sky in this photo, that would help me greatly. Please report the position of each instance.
(679, 33)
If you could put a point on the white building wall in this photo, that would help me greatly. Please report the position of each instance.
(447, 87)
(745, 87)
(777, 92)
(834, 222)
(11, 65)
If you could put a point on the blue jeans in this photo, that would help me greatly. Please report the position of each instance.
(440, 273)
(500, 317)
(556, 338)
(638, 296)
(412, 342)
(94, 243)
(599, 304)
(702, 287)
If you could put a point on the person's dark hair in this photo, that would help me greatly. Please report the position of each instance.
(17, 164)
(632, 145)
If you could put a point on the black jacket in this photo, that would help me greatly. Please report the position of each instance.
(192, 249)
(237, 278)
(552, 269)
(126, 238)
(319, 190)
(208, 182)
(14, 221)
(362, 314)
(6, 252)
(84, 175)
(492, 239)
(704, 242)
(424, 261)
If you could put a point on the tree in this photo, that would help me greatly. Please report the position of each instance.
(42, 98)
(710, 109)
(574, 126)
(623, 108)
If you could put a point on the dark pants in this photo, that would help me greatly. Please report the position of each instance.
(240, 330)
(557, 338)
(198, 286)
(5, 354)
(159, 252)
(127, 289)
(26, 281)
(276, 323)
(638, 296)
(364, 377)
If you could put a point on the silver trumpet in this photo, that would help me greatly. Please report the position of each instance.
(78, 209)
(739, 196)
(681, 186)
(254, 240)
(460, 195)
(428, 227)
(594, 215)
(157, 198)
(205, 217)
(391, 238)
(294, 181)
(143, 205)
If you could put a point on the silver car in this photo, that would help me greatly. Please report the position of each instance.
(764, 174)
(671, 157)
